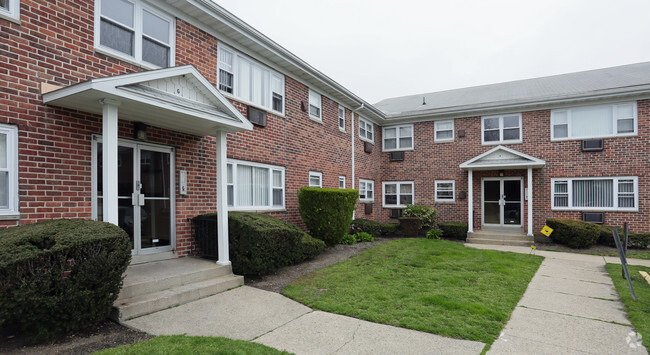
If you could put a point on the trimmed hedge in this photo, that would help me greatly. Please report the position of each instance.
(573, 233)
(375, 229)
(327, 213)
(61, 275)
(635, 240)
(428, 216)
(454, 230)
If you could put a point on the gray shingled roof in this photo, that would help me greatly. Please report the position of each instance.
(582, 84)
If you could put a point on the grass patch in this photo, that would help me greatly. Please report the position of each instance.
(428, 285)
(645, 255)
(638, 312)
(181, 344)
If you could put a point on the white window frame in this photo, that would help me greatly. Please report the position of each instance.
(501, 128)
(364, 190)
(398, 137)
(399, 194)
(366, 126)
(613, 107)
(341, 182)
(453, 191)
(318, 175)
(14, 11)
(139, 7)
(615, 188)
(341, 118)
(237, 95)
(315, 100)
(271, 168)
(12, 210)
(436, 130)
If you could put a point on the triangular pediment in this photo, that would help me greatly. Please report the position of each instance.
(501, 157)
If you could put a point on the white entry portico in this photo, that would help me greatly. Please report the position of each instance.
(501, 158)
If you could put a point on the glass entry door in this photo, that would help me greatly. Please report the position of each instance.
(502, 201)
(145, 191)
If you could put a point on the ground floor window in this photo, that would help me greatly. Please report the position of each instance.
(255, 186)
(8, 170)
(398, 193)
(315, 179)
(602, 193)
(366, 190)
(341, 182)
(445, 191)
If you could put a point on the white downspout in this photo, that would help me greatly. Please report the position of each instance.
(352, 141)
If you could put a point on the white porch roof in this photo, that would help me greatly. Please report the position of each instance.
(177, 98)
(501, 157)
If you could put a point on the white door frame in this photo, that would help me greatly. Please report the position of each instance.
(137, 146)
(501, 207)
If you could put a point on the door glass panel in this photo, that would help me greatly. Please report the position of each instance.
(492, 190)
(125, 215)
(492, 213)
(512, 213)
(154, 173)
(512, 190)
(155, 218)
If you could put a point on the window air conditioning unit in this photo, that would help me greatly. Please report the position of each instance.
(256, 116)
(592, 145)
(395, 213)
(594, 217)
(396, 156)
(367, 147)
(368, 208)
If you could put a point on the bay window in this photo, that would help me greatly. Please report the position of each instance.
(254, 186)
(398, 193)
(598, 121)
(595, 194)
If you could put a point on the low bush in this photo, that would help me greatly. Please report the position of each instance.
(348, 239)
(327, 213)
(260, 244)
(61, 275)
(364, 237)
(428, 216)
(373, 228)
(434, 234)
(454, 230)
(635, 240)
(573, 233)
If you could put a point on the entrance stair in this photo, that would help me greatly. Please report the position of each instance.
(154, 286)
(500, 236)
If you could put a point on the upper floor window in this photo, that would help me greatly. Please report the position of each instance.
(398, 137)
(10, 8)
(398, 194)
(594, 121)
(502, 129)
(366, 129)
(366, 190)
(254, 186)
(445, 191)
(444, 131)
(315, 179)
(135, 31)
(249, 81)
(341, 118)
(8, 170)
(314, 105)
(601, 193)
(341, 182)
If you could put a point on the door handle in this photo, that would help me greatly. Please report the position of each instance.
(137, 199)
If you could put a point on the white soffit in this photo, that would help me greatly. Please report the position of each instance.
(501, 157)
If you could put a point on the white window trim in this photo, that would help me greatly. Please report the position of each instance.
(235, 69)
(317, 174)
(501, 141)
(615, 179)
(453, 191)
(342, 129)
(372, 183)
(235, 207)
(318, 118)
(13, 14)
(139, 6)
(435, 131)
(341, 180)
(397, 136)
(372, 126)
(398, 183)
(614, 123)
(13, 205)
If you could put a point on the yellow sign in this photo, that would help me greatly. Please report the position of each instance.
(547, 231)
(533, 247)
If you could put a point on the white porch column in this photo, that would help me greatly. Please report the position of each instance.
(222, 200)
(470, 201)
(530, 202)
(109, 157)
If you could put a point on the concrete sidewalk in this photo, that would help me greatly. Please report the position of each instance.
(570, 306)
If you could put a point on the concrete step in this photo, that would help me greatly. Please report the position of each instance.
(128, 308)
(499, 236)
(496, 241)
(501, 231)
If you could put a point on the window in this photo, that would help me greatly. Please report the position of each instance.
(341, 118)
(594, 121)
(444, 131)
(398, 194)
(314, 105)
(249, 81)
(128, 28)
(366, 130)
(8, 171)
(445, 191)
(502, 129)
(595, 194)
(10, 8)
(254, 186)
(315, 179)
(341, 182)
(366, 190)
(398, 137)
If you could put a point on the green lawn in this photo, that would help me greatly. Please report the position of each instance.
(630, 254)
(428, 285)
(181, 345)
(638, 312)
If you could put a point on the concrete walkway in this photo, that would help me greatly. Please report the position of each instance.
(570, 306)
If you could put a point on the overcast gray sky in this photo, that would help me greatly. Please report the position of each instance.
(380, 49)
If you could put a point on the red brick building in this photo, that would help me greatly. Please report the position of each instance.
(140, 112)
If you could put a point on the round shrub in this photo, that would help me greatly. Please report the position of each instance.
(573, 233)
(454, 230)
(434, 234)
(364, 237)
(59, 276)
(428, 216)
(327, 213)
(348, 239)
